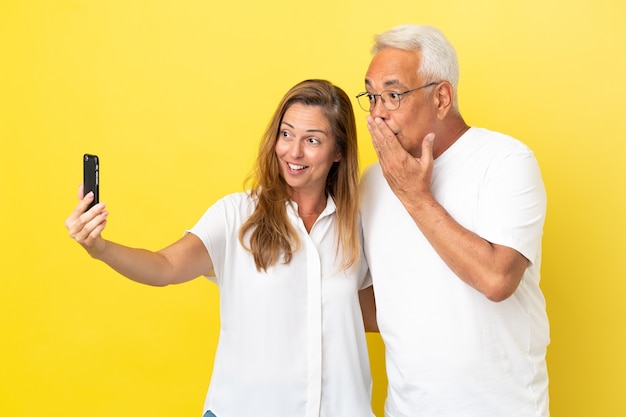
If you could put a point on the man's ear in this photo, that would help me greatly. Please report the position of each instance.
(444, 95)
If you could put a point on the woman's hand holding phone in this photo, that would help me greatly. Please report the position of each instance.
(86, 223)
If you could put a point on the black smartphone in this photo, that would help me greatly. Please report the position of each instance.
(91, 177)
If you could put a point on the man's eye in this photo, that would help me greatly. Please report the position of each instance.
(371, 98)
(394, 96)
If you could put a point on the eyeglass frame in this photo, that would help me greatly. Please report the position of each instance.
(365, 93)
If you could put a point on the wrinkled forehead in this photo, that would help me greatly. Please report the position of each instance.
(391, 68)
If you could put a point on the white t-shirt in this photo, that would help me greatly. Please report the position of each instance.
(450, 351)
(292, 341)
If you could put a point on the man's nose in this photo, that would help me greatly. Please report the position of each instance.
(378, 109)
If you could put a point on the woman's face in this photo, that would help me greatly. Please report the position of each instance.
(306, 149)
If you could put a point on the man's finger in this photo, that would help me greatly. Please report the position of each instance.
(382, 135)
(427, 145)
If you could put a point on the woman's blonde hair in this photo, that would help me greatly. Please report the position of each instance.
(267, 233)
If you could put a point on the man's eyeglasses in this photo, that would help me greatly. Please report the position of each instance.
(390, 99)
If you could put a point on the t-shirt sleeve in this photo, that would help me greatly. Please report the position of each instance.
(513, 204)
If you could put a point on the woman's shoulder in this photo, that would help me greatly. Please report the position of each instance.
(236, 198)
(243, 200)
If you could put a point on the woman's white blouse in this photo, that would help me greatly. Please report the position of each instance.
(292, 340)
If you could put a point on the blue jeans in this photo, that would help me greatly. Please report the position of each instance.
(209, 414)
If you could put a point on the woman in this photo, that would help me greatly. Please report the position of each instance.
(288, 261)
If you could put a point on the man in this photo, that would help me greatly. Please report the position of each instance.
(452, 218)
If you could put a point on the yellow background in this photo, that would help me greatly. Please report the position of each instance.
(173, 95)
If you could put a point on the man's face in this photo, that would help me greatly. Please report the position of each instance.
(396, 70)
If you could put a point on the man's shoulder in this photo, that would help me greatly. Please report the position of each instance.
(370, 175)
(496, 138)
(372, 169)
